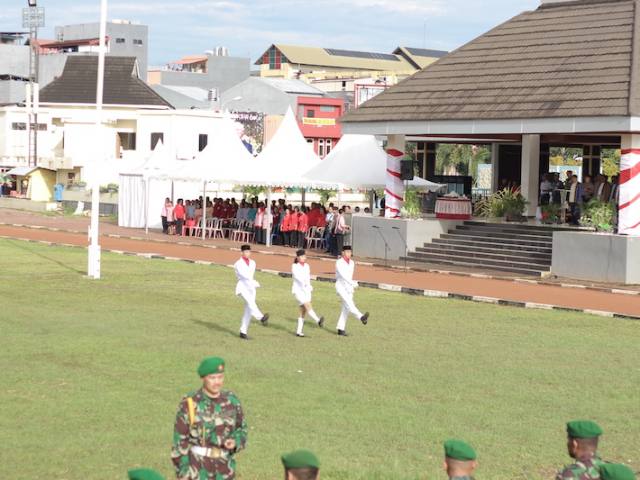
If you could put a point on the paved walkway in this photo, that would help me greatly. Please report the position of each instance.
(491, 290)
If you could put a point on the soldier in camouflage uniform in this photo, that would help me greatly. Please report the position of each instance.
(210, 428)
(459, 460)
(582, 445)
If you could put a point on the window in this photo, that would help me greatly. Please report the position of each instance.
(311, 113)
(328, 144)
(321, 148)
(120, 40)
(127, 140)
(203, 140)
(328, 108)
(137, 41)
(42, 127)
(155, 138)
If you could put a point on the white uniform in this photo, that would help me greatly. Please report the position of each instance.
(345, 286)
(246, 288)
(301, 290)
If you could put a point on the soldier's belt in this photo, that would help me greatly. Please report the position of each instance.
(213, 452)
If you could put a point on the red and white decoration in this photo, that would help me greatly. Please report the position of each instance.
(394, 191)
(453, 208)
(629, 206)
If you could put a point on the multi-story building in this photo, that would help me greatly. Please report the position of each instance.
(318, 121)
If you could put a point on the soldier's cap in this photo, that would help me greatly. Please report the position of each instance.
(459, 450)
(244, 248)
(300, 459)
(211, 365)
(616, 471)
(144, 474)
(346, 247)
(300, 252)
(583, 429)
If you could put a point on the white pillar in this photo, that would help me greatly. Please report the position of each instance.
(495, 167)
(529, 179)
(394, 191)
(629, 202)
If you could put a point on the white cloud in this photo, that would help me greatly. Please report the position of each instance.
(418, 7)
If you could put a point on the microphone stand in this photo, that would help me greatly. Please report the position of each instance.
(386, 245)
(406, 247)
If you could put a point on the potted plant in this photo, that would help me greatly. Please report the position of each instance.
(504, 203)
(598, 215)
(112, 188)
(412, 207)
(550, 213)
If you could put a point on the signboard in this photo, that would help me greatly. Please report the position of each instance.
(33, 17)
(318, 122)
(250, 126)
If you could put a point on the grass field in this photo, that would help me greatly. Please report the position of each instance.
(92, 373)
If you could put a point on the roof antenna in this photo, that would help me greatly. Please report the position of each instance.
(424, 41)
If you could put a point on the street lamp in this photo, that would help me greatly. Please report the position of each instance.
(32, 18)
(32, 3)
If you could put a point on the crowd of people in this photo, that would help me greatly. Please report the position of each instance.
(290, 226)
(211, 428)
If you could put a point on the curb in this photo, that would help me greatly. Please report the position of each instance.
(375, 286)
(531, 281)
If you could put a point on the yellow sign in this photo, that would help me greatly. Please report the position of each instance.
(318, 122)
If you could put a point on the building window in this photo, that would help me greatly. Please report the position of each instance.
(120, 40)
(127, 140)
(137, 41)
(42, 127)
(311, 113)
(321, 148)
(328, 108)
(203, 140)
(327, 146)
(155, 138)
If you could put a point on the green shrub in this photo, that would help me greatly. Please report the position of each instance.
(598, 215)
(412, 205)
(503, 203)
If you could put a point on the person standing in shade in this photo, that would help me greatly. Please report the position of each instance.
(303, 226)
(582, 445)
(345, 287)
(163, 215)
(301, 465)
(285, 228)
(459, 460)
(180, 215)
(245, 269)
(339, 230)
(293, 227)
(210, 428)
(575, 199)
(301, 289)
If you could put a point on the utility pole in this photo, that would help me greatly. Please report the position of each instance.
(33, 18)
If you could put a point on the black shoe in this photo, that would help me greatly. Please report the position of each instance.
(342, 333)
(244, 336)
(265, 320)
(321, 322)
(364, 318)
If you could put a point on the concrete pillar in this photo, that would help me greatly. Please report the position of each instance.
(529, 179)
(495, 167)
(394, 191)
(629, 202)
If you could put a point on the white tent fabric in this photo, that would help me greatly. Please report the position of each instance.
(131, 199)
(285, 159)
(358, 161)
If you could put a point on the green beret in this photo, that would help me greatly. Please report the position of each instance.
(613, 471)
(144, 474)
(583, 429)
(211, 365)
(459, 450)
(300, 459)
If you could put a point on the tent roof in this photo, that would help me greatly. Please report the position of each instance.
(158, 164)
(358, 161)
(285, 158)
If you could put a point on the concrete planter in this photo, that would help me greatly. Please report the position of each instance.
(598, 257)
(85, 196)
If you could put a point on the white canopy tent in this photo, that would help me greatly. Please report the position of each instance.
(358, 161)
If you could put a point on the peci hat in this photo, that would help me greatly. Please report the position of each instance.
(346, 247)
(301, 252)
(244, 248)
(210, 366)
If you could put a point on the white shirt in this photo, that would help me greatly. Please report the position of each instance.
(301, 279)
(344, 276)
(572, 192)
(244, 273)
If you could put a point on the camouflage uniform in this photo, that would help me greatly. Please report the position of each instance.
(215, 420)
(584, 469)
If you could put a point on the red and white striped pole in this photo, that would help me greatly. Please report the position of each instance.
(394, 191)
(629, 203)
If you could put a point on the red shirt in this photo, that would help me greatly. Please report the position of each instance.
(179, 212)
(293, 222)
(285, 226)
(303, 222)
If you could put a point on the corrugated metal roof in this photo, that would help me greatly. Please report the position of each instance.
(569, 59)
(292, 86)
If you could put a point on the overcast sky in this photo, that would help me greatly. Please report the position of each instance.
(248, 27)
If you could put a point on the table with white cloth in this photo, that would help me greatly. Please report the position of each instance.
(453, 208)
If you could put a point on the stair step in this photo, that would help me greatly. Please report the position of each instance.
(485, 262)
(506, 231)
(520, 226)
(506, 240)
(498, 234)
(490, 245)
(482, 252)
(460, 263)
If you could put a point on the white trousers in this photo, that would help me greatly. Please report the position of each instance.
(250, 310)
(348, 307)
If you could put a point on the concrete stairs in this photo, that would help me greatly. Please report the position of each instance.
(513, 248)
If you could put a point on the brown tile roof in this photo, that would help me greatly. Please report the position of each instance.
(122, 86)
(571, 59)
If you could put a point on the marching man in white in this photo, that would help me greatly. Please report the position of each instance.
(345, 286)
(246, 288)
(302, 289)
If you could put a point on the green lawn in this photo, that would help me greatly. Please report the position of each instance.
(92, 373)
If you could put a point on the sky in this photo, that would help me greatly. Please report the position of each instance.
(249, 27)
